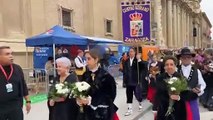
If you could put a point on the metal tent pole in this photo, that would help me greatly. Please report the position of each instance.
(54, 61)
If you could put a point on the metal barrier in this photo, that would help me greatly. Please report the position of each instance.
(114, 70)
(37, 80)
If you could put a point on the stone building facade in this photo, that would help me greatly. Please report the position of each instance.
(206, 31)
(172, 21)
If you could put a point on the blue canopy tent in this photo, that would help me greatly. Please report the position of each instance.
(55, 36)
(58, 36)
(97, 40)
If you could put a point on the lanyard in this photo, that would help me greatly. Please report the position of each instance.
(5, 74)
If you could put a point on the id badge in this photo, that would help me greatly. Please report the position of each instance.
(9, 87)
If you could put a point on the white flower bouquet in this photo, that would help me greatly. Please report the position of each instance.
(80, 90)
(59, 91)
(175, 87)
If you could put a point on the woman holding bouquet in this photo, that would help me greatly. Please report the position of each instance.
(163, 97)
(154, 71)
(102, 92)
(63, 108)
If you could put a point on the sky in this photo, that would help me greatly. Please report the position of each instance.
(207, 7)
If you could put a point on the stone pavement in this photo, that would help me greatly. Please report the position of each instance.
(204, 114)
(39, 111)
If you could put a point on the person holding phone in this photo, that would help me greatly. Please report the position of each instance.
(195, 81)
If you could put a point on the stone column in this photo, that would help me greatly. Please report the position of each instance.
(182, 28)
(164, 22)
(157, 19)
(188, 29)
(169, 25)
(174, 24)
(178, 26)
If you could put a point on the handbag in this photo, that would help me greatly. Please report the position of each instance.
(138, 92)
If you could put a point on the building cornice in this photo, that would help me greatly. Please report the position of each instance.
(206, 19)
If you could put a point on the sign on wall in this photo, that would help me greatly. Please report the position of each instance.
(136, 21)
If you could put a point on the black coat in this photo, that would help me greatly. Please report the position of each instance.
(131, 72)
(103, 92)
(162, 100)
(67, 110)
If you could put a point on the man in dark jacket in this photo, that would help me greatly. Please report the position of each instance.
(12, 87)
(133, 68)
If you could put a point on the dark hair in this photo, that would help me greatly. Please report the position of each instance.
(4, 47)
(123, 54)
(169, 57)
(133, 48)
(50, 58)
(94, 53)
(79, 51)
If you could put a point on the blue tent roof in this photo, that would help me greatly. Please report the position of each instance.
(56, 35)
(102, 40)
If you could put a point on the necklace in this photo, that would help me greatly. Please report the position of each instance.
(93, 76)
(190, 75)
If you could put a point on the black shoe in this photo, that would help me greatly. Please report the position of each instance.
(124, 85)
(205, 106)
(210, 108)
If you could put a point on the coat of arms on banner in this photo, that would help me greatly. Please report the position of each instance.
(136, 24)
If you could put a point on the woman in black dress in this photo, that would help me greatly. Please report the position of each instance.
(63, 108)
(162, 95)
(102, 91)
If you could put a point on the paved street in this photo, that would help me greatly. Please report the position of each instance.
(40, 112)
(204, 115)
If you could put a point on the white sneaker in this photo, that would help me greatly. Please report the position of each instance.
(140, 108)
(129, 112)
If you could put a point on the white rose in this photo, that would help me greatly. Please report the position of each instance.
(173, 89)
(58, 86)
(85, 86)
(78, 84)
(170, 82)
(174, 79)
(59, 91)
(82, 86)
(66, 90)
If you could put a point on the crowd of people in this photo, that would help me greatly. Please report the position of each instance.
(196, 67)
(142, 79)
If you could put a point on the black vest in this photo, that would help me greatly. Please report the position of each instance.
(193, 76)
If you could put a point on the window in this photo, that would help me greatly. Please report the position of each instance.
(108, 26)
(67, 19)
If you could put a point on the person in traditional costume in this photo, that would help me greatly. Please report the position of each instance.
(154, 70)
(163, 97)
(100, 103)
(195, 82)
(207, 98)
(63, 108)
(134, 72)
